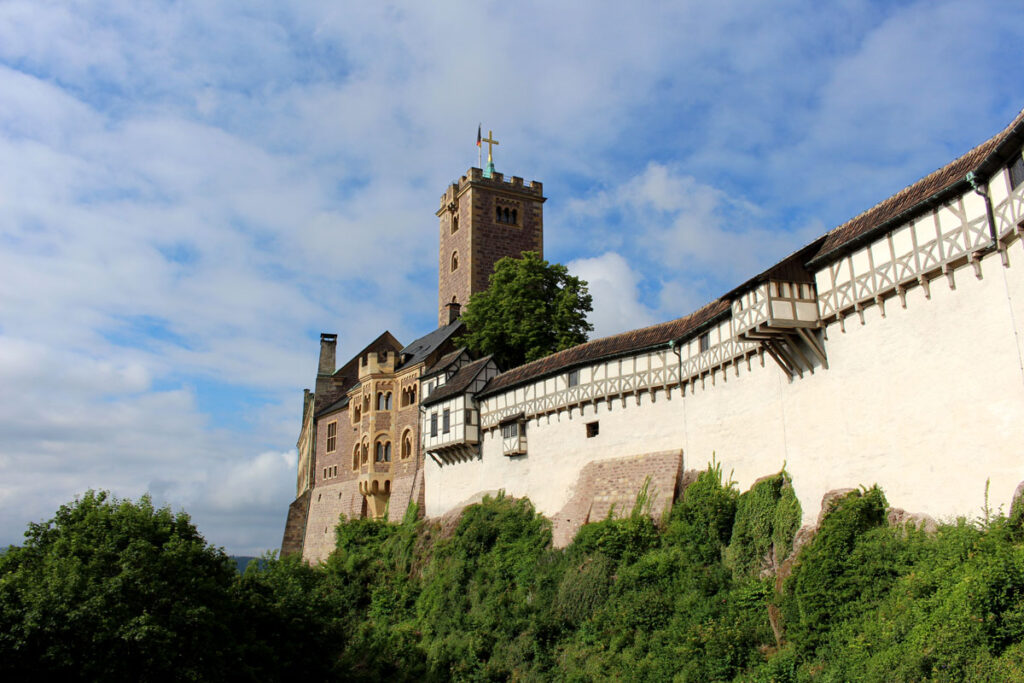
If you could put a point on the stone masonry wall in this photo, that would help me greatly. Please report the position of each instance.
(611, 487)
(326, 507)
(295, 526)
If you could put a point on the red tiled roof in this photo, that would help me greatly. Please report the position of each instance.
(634, 340)
(915, 195)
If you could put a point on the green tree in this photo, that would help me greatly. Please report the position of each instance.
(532, 308)
(115, 590)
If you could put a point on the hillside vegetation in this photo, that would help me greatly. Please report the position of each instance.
(708, 595)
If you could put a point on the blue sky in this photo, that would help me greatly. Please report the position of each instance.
(190, 192)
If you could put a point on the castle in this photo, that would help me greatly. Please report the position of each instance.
(888, 351)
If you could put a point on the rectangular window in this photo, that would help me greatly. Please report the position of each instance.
(433, 424)
(446, 421)
(574, 378)
(591, 430)
(332, 436)
(510, 430)
(1017, 173)
(705, 342)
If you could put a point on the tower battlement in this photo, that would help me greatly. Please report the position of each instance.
(475, 177)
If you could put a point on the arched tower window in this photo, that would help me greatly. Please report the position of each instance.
(380, 400)
(365, 453)
(455, 224)
(387, 401)
(514, 219)
(497, 213)
(505, 214)
(355, 458)
(455, 261)
(406, 444)
(387, 451)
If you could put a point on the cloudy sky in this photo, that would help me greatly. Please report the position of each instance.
(190, 192)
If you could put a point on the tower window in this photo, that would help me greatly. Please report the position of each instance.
(515, 221)
(455, 224)
(455, 261)
(497, 213)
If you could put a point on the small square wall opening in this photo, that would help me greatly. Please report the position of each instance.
(592, 429)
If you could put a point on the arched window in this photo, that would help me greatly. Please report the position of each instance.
(379, 452)
(497, 213)
(387, 452)
(355, 458)
(455, 224)
(455, 261)
(505, 212)
(406, 444)
(387, 401)
(514, 220)
(380, 400)
(366, 453)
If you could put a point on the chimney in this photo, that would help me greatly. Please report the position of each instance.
(328, 346)
(453, 312)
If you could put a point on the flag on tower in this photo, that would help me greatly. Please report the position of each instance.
(478, 135)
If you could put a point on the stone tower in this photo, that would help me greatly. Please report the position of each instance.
(482, 220)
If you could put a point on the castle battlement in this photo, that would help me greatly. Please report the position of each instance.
(475, 177)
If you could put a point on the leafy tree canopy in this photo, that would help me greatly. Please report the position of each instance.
(531, 309)
(115, 590)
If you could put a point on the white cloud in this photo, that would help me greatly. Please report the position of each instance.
(614, 288)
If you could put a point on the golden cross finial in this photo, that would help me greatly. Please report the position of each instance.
(490, 141)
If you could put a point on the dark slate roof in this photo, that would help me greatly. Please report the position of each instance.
(458, 383)
(444, 361)
(427, 344)
(334, 407)
(927, 192)
(619, 344)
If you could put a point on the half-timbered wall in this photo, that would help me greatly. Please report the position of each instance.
(923, 393)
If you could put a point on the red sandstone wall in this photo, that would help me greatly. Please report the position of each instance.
(612, 486)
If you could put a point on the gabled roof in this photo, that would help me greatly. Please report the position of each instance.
(348, 374)
(608, 347)
(444, 361)
(926, 193)
(459, 381)
(420, 349)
